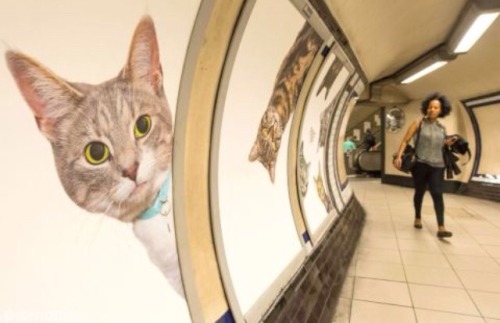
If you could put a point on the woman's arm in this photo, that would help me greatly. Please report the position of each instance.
(409, 134)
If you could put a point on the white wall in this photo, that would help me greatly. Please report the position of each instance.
(487, 118)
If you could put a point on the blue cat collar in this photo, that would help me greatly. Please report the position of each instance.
(161, 198)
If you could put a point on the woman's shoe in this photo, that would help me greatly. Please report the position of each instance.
(417, 225)
(444, 234)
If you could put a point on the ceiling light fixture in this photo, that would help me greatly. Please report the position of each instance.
(474, 20)
(434, 66)
(431, 61)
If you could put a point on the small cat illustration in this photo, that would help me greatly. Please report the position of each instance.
(326, 114)
(112, 142)
(320, 188)
(325, 119)
(330, 77)
(284, 98)
(303, 171)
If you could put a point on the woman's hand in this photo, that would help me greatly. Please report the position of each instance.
(450, 140)
(397, 162)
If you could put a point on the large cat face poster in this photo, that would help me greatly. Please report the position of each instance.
(89, 91)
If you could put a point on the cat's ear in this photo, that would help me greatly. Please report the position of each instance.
(48, 96)
(143, 64)
(254, 155)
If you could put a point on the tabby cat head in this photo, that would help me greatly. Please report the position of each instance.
(267, 144)
(112, 142)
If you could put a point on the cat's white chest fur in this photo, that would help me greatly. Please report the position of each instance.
(157, 234)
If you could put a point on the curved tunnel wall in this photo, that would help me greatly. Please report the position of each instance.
(260, 244)
(244, 232)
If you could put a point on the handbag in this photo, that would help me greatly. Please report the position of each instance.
(408, 159)
(409, 156)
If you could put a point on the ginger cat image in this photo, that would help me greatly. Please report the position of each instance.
(112, 142)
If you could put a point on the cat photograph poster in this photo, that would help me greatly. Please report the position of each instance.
(253, 195)
(89, 91)
(316, 202)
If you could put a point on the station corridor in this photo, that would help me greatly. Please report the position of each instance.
(402, 274)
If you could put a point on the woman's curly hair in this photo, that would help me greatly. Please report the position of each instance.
(445, 104)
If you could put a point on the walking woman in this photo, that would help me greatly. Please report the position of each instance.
(429, 169)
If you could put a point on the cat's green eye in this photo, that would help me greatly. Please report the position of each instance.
(96, 153)
(142, 126)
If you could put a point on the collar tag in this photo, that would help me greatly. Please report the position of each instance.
(157, 205)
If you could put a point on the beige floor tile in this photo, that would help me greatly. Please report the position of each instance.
(379, 243)
(444, 277)
(456, 211)
(381, 255)
(474, 280)
(470, 221)
(376, 233)
(351, 271)
(442, 299)
(488, 303)
(426, 245)
(427, 316)
(480, 264)
(483, 229)
(378, 222)
(367, 312)
(460, 239)
(380, 270)
(490, 239)
(466, 249)
(410, 233)
(403, 212)
(400, 223)
(342, 311)
(381, 291)
(424, 259)
(492, 321)
(493, 251)
(347, 288)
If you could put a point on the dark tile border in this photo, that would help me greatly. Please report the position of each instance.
(313, 293)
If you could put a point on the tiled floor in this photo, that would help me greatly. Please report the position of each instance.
(401, 274)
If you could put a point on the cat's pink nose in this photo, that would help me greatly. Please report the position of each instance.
(131, 172)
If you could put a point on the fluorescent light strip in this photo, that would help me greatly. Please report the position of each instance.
(475, 31)
(423, 72)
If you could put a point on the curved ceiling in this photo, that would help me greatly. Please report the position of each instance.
(386, 35)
